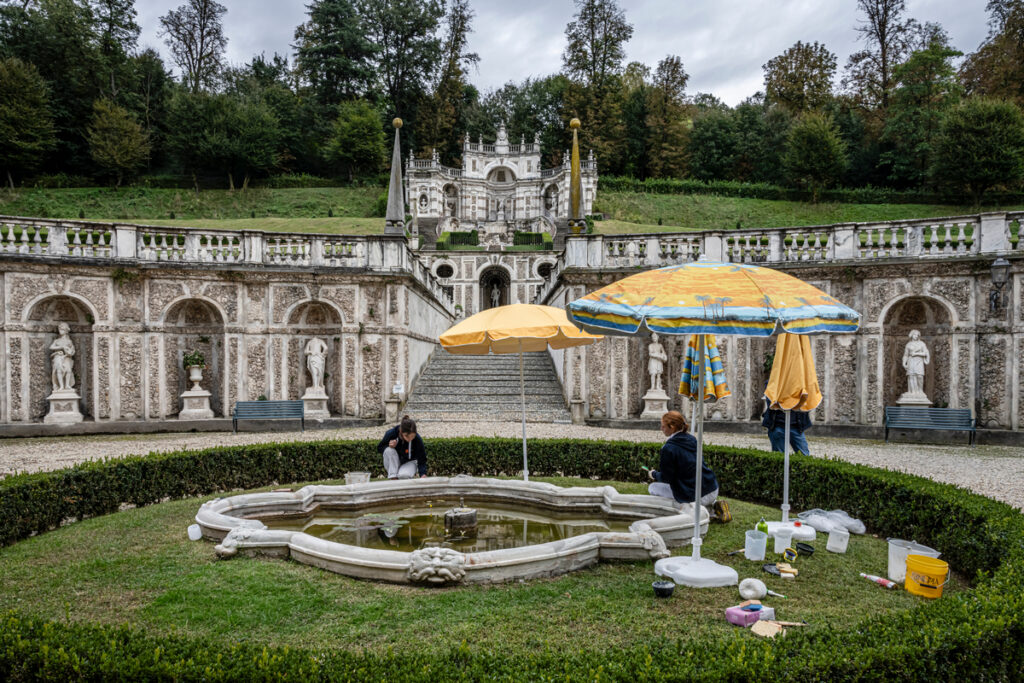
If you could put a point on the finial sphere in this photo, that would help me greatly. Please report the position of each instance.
(575, 123)
(397, 123)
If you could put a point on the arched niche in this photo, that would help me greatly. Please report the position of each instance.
(40, 331)
(931, 318)
(194, 325)
(551, 199)
(491, 279)
(317, 319)
(451, 201)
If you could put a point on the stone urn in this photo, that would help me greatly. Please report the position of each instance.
(195, 375)
(195, 401)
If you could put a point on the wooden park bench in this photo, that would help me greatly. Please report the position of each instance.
(268, 410)
(946, 419)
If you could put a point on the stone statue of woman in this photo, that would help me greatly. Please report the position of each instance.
(316, 355)
(915, 357)
(62, 353)
(656, 361)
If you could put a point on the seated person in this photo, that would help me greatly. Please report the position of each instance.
(674, 478)
(403, 451)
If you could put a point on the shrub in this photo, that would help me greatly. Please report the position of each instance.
(973, 635)
(524, 238)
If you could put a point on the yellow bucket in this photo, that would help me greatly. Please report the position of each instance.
(926, 576)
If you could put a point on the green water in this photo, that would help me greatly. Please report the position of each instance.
(407, 527)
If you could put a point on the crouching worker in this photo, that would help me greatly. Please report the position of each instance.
(674, 479)
(403, 451)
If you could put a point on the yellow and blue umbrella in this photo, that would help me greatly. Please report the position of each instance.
(714, 372)
(707, 297)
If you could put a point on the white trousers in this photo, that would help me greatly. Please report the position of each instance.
(396, 471)
(665, 491)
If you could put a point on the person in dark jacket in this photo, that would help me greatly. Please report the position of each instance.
(775, 422)
(405, 457)
(674, 478)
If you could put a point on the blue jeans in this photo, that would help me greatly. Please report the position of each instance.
(797, 440)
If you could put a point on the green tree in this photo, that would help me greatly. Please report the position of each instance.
(116, 141)
(26, 127)
(667, 123)
(189, 120)
(997, 68)
(357, 143)
(712, 145)
(194, 32)
(636, 99)
(444, 111)
(242, 139)
(888, 36)
(332, 53)
(118, 34)
(926, 88)
(800, 79)
(980, 146)
(815, 153)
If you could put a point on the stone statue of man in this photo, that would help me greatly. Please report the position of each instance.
(495, 296)
(62, 353)
(656, 361)
(915, 357)
(316, 355)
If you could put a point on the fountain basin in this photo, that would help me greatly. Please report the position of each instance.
(656, 524)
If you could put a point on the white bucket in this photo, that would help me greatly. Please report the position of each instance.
(756, 545)
(898, 551)
(357, 477)
(838, 539)
(783, 537)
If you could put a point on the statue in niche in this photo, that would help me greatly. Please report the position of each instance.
(656, 361)
(915, 357)
(423, 204)
(62, 353)
(495, 296)
(316, 355)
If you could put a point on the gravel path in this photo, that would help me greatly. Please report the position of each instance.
(996, 471)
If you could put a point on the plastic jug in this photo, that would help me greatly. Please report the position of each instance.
(783, 537)
(898, 551)
(838, 539)
(756, 545)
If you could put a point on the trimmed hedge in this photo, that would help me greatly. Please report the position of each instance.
(854, 195)
(976, 634)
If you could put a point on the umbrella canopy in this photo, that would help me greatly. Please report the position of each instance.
(514, 329)
(707, 297)
(714, 372)
(793, 384)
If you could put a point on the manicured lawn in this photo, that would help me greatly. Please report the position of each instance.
(137, 567)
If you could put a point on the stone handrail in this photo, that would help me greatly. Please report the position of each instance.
(34, 237)
(551, 172)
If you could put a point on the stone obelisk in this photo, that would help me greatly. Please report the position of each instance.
(577, 225)
(394, 219)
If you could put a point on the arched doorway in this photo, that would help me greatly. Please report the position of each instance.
(194, 325)
(41, 331)
(495, 288)
(932, 320)
(308, 320)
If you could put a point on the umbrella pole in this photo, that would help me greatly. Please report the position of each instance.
(700, 453)
(785, 473)
(522, 400)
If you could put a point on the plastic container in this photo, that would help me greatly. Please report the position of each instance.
(926, 576)
(756, 545)
(783, 537)
(898, 551)
(357, 477)
(838, 540)
(663, 589)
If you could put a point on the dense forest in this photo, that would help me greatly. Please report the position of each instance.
(80, 103)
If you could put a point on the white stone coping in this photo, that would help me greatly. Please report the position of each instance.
(659, 524)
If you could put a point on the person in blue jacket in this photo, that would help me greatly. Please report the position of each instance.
(675, 477)
(405, 457)
(775, 422)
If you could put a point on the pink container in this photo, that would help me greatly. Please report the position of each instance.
(741, 617)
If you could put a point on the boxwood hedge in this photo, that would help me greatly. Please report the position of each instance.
(972, 635)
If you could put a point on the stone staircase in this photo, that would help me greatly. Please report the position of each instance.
(486, 389)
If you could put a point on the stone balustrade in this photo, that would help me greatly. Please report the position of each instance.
(74, 240)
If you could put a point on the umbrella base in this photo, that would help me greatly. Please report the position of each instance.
(696, 572)
(803, 532)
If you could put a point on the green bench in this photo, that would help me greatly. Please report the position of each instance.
(268, 410)
(945, 419)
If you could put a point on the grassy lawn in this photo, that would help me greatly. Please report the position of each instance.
(137, 567)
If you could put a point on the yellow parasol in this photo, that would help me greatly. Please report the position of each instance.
(514, 329)
(792, 385)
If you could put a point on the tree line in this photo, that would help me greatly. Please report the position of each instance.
(78, 97)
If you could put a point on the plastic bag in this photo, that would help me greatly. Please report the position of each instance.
(825, 521)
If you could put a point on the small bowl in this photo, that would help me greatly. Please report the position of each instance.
(663, 589)
(805, 549)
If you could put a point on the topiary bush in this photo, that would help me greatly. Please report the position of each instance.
(972, 635)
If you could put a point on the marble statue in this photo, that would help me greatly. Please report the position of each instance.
(915, 357)
(316, 354)
(495, 296)
(62, 352)
(656, 361)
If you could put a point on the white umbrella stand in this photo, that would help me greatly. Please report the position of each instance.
(696, 571)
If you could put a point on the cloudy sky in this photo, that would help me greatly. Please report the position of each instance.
(723, 43)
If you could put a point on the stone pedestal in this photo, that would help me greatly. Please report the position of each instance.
(655, 404)
(63, 408)
(315, 404)
(391, 409)
(909, 399)
(577, 408)
(195, 405)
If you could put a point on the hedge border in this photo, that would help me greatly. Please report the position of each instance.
(976, 634)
